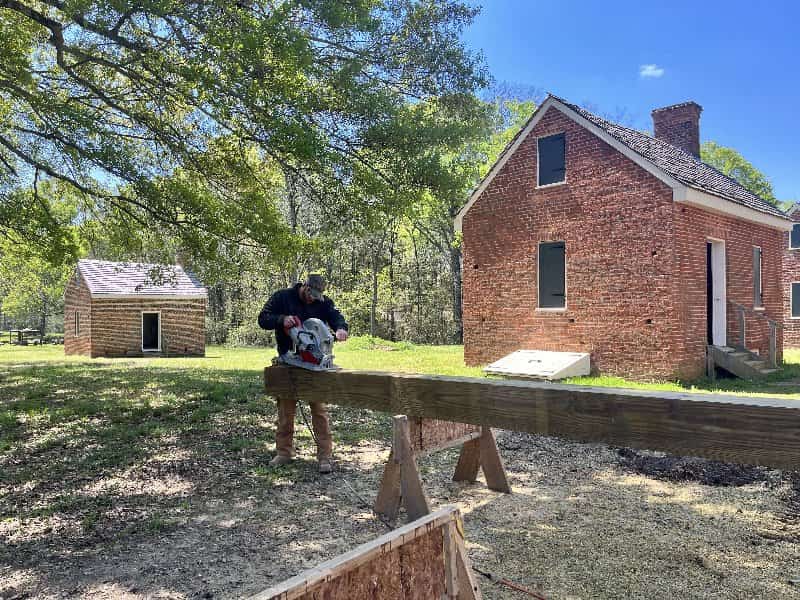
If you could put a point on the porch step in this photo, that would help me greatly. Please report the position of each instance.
(740, 361)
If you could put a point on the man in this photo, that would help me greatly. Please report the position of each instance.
(302, 301)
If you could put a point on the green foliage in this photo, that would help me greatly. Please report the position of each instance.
(735, 166)
(32, 281)
(182, 119)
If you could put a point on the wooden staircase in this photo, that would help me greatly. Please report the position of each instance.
(739, 361)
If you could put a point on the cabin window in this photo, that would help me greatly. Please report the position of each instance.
(77, 323)
(552, 160)
(795, 300)
(794, 239)
(552, 275)
(758, 290)
(151, 332)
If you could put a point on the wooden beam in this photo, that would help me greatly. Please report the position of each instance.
(763, 431)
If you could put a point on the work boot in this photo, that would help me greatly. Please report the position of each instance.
(325, 466)
(280, 460)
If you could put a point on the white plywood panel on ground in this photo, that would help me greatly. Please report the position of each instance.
(541, 364)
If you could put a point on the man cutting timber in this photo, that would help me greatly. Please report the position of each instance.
(301, 301)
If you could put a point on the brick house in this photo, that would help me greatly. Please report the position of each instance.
(586, 236)
(133, 309)
(791, 281)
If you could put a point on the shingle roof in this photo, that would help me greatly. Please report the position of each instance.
(106, 278)
(681, 165)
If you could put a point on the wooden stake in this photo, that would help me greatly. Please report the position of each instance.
(388, 501)
(469, 461)
(468, 588)
(411, 492)
(492, 463)
(449, 535)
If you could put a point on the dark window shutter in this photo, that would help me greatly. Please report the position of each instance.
(795, 241)
(552, 288)
(552, 161)
(796, 299)
(757, 276)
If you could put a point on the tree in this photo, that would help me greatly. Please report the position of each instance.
(31, 282)
(434, 217)
(735, 166)
(126, 103)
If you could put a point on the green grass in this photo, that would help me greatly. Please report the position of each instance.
(372, 354)
(66, 421)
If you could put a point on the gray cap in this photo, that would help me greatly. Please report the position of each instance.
(316, 285)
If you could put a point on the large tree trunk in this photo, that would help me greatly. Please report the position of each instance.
(392, 321)
(455, 272)
(374, 304)
(43, 316)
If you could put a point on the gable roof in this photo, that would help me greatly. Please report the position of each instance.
(107, 279)
(691, 179)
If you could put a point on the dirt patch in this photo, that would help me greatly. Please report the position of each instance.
(169, 495)
(681, 468)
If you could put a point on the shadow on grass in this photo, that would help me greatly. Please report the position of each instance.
(91, 453)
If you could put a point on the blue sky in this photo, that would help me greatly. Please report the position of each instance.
(739, 60)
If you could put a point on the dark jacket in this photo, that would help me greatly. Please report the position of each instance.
(287, 303)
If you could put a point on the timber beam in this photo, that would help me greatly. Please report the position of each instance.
(761, 431)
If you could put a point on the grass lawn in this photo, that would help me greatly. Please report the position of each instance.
(100, 459)
(380, 355)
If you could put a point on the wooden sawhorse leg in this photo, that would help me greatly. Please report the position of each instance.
(483, 452)
(401, 481)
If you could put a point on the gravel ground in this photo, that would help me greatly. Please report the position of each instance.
(584, 521)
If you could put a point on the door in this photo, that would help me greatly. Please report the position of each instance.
(151, 332)
(716, 297)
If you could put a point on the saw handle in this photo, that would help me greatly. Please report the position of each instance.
(294, 321)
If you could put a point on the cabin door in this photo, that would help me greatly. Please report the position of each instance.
(151, 332)
(716, 297)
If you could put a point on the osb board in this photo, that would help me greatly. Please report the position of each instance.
(413, 571)
(429, 434)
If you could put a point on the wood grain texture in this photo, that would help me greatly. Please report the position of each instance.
(413, 495)
(428, 435)
(387, 502)
(763, 431)
(492, 463)
(405, 564)
(469, 461)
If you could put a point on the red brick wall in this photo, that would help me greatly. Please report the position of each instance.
(616, 220)
(693, 227)
(117, 326)
(791, 272)
(77, 299)
(636, 263)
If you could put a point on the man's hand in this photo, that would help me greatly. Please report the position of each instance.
(291, 321)
(341, 335)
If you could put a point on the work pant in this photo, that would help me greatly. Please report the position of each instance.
(319, 422)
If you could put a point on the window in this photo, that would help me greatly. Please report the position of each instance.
(77, 323)
(552, 275)
(796, 300)
(758, 290)
(552, 160)
(794, 238)
(151, 332)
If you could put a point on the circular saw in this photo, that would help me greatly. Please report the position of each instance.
(312, 346)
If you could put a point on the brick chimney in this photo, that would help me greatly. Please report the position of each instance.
(679, 125)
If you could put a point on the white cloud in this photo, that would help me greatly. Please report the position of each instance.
(650, 71)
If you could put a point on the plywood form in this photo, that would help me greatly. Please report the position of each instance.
(434, 434)
(424, 559)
